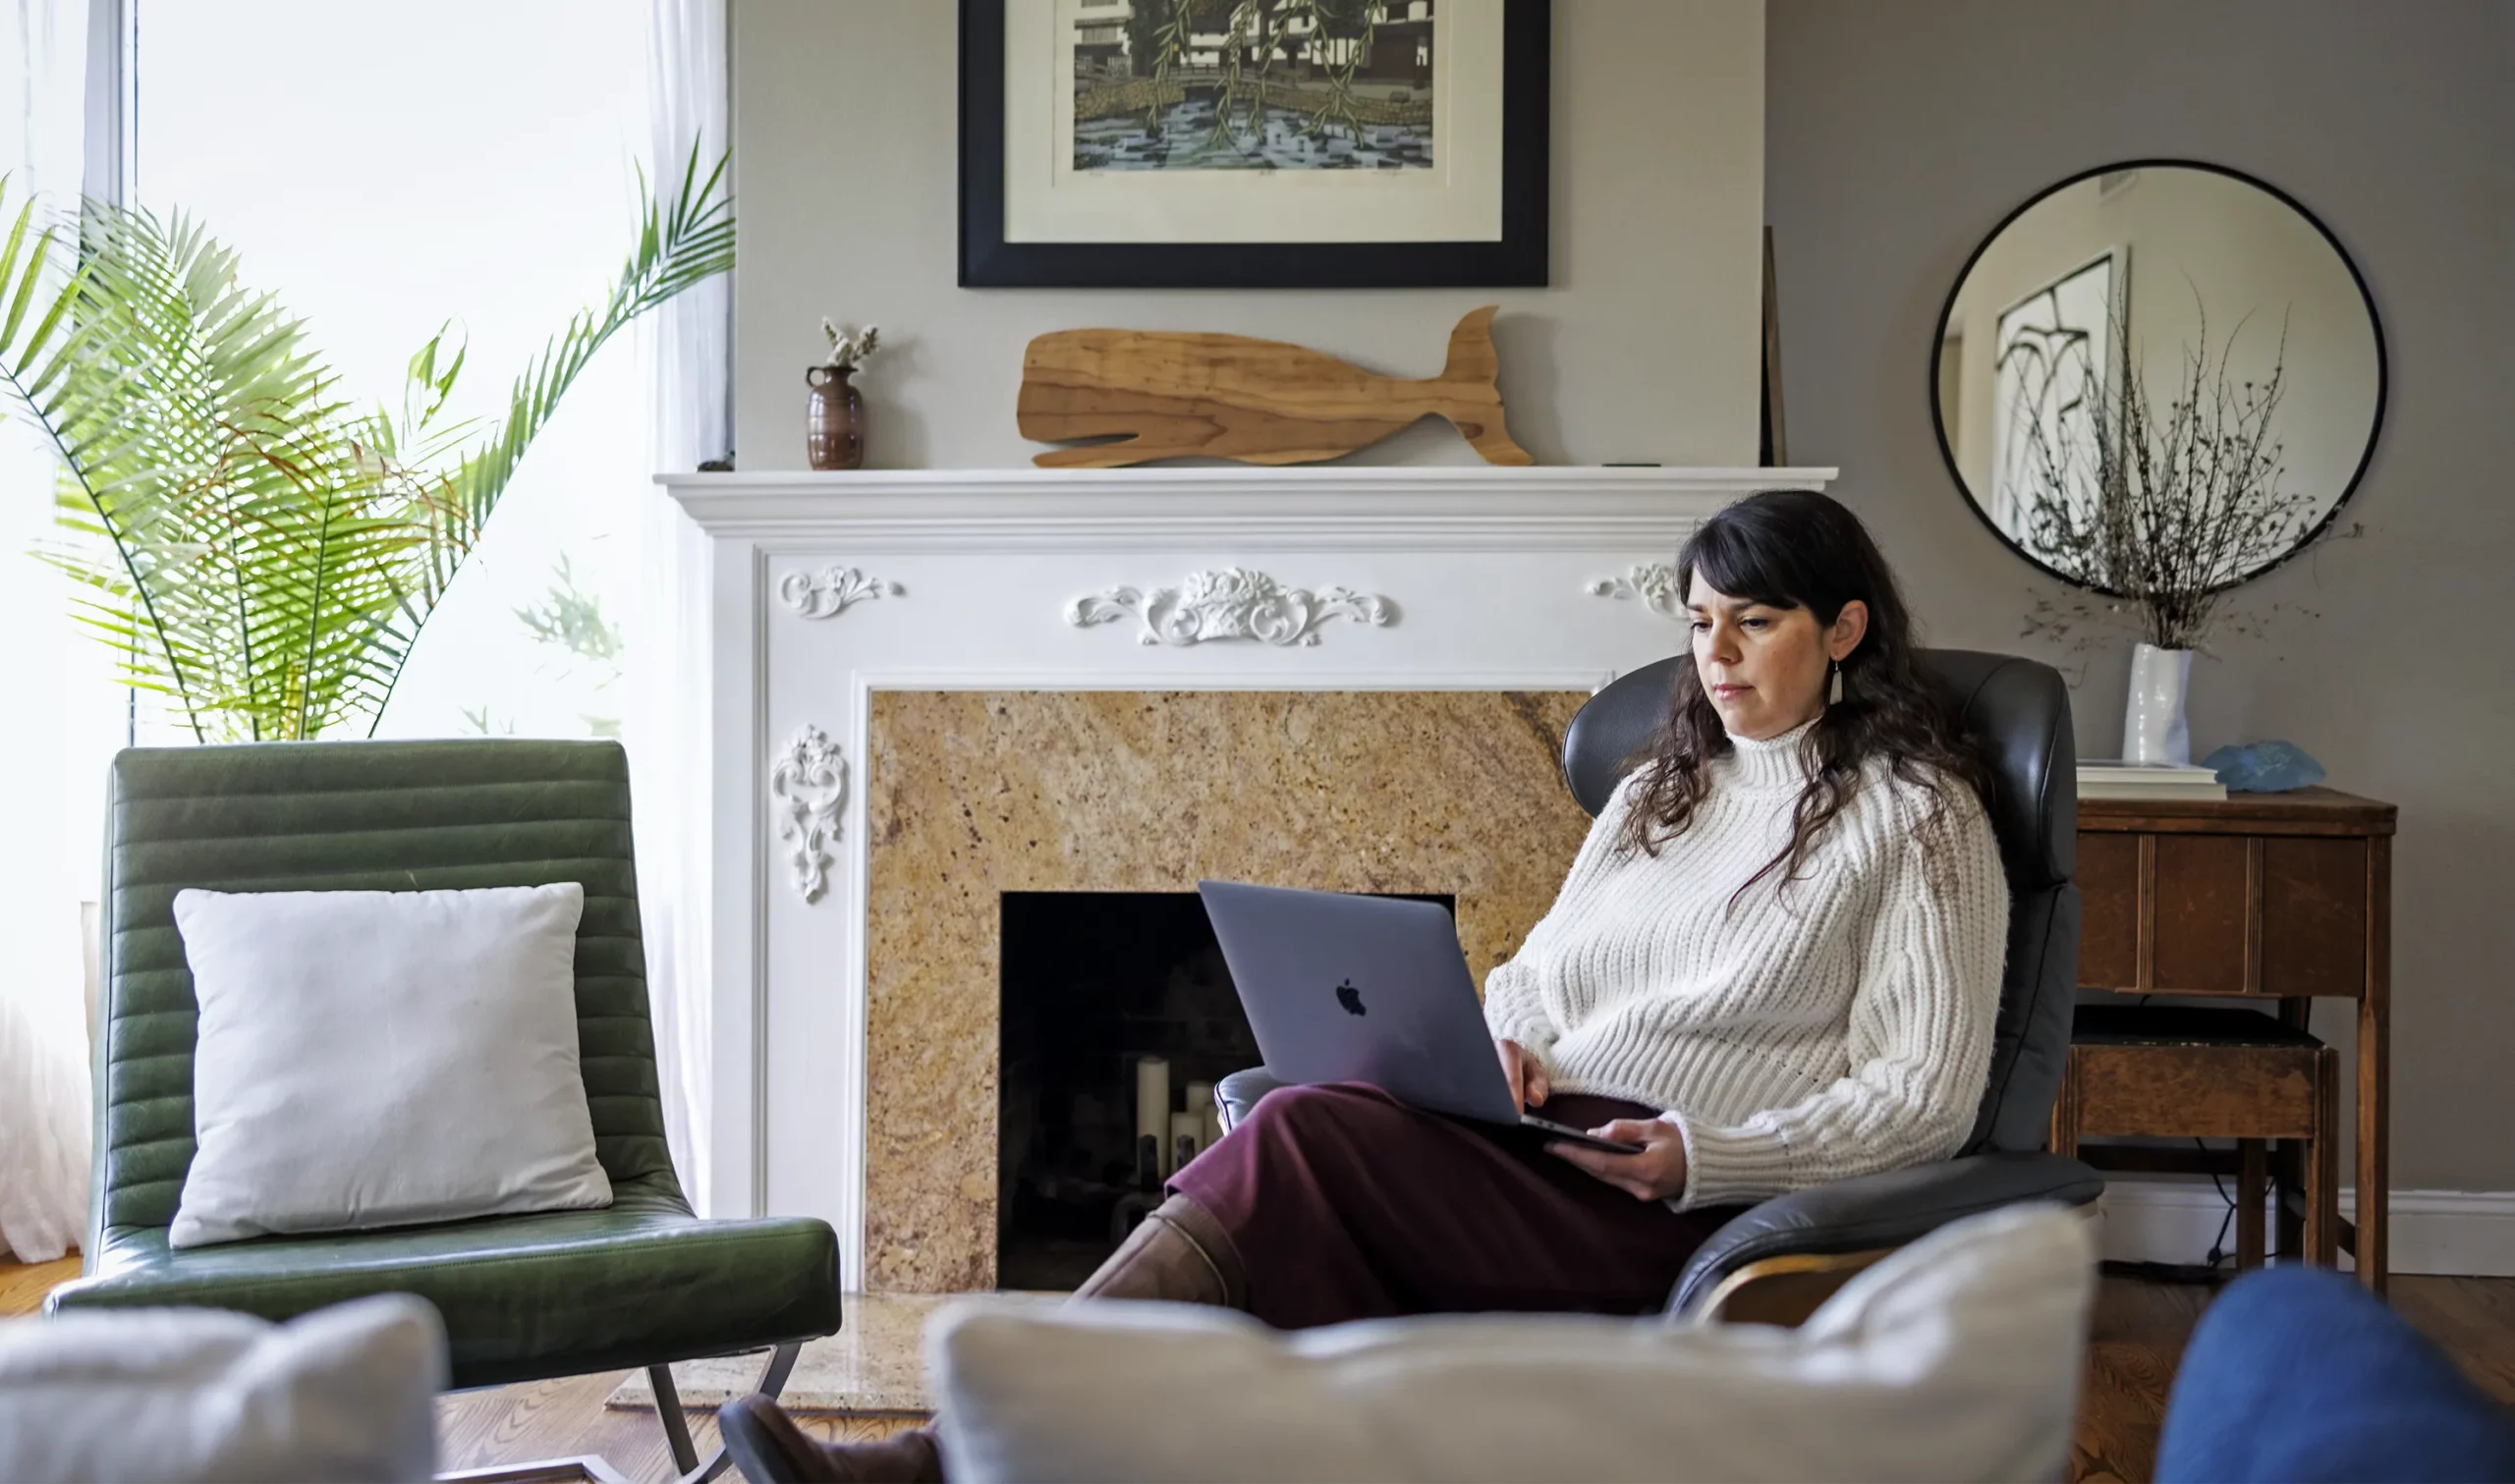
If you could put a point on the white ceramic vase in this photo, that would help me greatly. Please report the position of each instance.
(2153, 726)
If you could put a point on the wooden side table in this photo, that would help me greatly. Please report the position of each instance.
(2285, 898)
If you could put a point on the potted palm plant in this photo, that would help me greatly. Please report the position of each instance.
(253, 546)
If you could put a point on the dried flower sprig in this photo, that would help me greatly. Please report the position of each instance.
(2167, 508)
(848, 351)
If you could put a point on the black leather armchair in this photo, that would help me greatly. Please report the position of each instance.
(640, 1283)
(1777, 1261)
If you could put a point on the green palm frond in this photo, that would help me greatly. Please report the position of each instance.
(248, 543)
(682, 240)
(237, 546)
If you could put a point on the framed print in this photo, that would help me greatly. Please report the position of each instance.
(1254, 143)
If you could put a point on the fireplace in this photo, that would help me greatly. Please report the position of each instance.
(994, 817)
(1110, 999)
(912, 694)
(1116, 1018)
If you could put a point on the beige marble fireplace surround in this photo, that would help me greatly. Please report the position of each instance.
(970, 794)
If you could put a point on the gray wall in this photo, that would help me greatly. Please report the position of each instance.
(1644, 348)
(1898, 135)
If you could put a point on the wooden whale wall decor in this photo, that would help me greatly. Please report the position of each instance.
(1169, 394)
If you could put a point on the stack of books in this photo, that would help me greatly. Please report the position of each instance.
(2112, 778)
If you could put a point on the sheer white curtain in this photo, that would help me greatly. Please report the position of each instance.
(53, 746)
(687, 361)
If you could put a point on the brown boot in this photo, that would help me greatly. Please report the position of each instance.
(770, 1449)
(1180, 1254)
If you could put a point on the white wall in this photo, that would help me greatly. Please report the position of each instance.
(1645, 347)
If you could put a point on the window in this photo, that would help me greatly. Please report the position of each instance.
(385, 168)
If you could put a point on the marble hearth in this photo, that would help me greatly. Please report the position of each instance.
(921, 690)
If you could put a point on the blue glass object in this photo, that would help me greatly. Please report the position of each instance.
(2264, 767)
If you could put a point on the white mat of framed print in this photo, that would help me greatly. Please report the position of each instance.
(1367, 130)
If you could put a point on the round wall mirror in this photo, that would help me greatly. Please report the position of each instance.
(2158, 357)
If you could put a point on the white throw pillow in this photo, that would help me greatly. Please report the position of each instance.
(378, 1059)
(143, 1394)
(1956, 1358)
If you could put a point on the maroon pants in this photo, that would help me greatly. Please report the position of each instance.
(1347, 1204)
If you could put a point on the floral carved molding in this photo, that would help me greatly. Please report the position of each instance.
(1231, 603)
(808, 785)
(833, 591)
(1653, 583)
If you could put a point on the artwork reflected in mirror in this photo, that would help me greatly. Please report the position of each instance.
(2047, 369)
(2159, 380)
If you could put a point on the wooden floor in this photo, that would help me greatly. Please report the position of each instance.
(2138, 1337)
(24, 1285)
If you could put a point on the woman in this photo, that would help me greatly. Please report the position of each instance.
(1775, 963)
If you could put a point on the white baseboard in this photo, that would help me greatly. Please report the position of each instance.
(2465, 1233)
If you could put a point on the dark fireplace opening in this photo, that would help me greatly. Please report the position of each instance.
(1094, 984)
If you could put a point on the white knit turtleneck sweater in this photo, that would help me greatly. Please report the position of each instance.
(1837, 1026)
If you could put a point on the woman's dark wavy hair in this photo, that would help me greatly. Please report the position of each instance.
(1793, 548)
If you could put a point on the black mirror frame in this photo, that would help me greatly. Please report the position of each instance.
(2375, 322)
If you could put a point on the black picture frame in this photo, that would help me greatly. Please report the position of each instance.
(1517, 260)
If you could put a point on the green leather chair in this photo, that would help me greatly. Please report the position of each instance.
(642, 1283)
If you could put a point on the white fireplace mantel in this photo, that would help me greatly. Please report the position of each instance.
(819, 590)
(1445, 509)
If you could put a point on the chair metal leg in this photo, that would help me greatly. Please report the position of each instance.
(781, 1364)
(685, 1454)
(685, 1451)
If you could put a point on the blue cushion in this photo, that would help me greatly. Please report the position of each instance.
(2299, 1374)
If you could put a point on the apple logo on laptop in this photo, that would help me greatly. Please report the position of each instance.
(1351, 998)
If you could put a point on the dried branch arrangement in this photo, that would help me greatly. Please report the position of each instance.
(2166, 505)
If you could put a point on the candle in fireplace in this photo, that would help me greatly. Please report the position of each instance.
(1152, 1105)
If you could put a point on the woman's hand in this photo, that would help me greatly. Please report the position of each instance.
(1526, 1071)
(1657, 1172)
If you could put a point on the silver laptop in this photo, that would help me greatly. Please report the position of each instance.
(1344, 988)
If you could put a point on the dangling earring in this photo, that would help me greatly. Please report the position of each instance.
(1834, 693)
